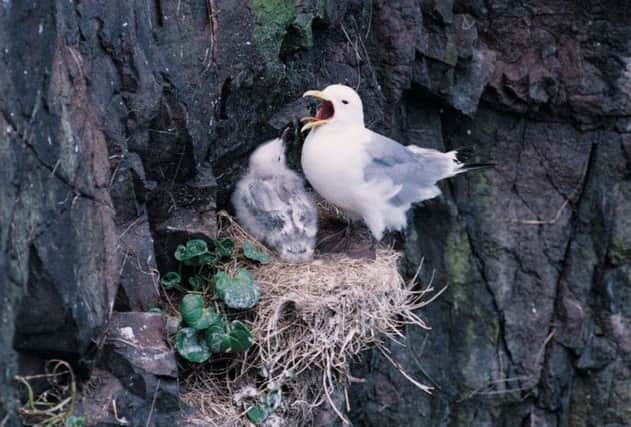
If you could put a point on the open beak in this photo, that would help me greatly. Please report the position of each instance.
(325, 112)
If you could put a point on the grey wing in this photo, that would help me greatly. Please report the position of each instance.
(303, 210)
(415, 170)
(258, 209)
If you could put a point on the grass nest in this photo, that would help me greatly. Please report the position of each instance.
(312, 320)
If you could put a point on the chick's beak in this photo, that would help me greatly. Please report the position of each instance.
(318, 119)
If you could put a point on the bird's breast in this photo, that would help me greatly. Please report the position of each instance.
(333, 163)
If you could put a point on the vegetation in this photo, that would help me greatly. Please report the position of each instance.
(205, 329)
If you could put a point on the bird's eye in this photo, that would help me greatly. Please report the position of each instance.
(279, 158)
(344, 102)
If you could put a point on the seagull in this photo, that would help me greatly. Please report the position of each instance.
(369, 176)
(271, 203)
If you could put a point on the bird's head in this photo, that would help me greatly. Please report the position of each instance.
(339, 104)
(268, 159)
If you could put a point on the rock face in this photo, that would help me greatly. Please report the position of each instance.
(124, 125)
(136, 374)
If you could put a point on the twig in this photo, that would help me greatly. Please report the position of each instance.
(153, 403)
(545, 222)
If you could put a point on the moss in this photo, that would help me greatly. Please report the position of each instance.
(303, 25)
(478, 326)
(273, 19)
(457, 255)
(281, 24)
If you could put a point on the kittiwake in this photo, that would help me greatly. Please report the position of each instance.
(272, 204)
(367, 175)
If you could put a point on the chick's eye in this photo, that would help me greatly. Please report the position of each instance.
(345, 102)
(279, 158)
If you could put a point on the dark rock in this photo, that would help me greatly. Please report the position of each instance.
(136, 379)
(118, 116)
(139, 288)
(62, 244)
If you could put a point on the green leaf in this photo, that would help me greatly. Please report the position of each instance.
(191, 308)
(255, 254)
(240, 291)
(209, 258)
(73, 421)
(258, 414)
(216, 333)
(196, 247)
(231, 337)
(223, 247)
(194, 313)
(196, 282)
(193, 248)
(180, 253)
(191, 345)
(170, 280)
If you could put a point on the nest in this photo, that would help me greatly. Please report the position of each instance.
(312, 320)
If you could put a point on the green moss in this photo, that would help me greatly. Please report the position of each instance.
(279, 21)
(457, 255)
(273, 19)
(478, 326)
(303, 26)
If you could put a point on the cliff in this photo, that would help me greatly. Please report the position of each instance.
(124, 124)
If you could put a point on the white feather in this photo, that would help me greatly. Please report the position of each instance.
(272, 204)
(368, 175)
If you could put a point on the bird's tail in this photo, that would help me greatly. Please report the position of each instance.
(474, 166)
(464, 155)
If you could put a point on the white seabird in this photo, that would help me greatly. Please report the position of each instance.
(365, 174)
(272, 204)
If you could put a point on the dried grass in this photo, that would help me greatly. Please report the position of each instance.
(311, 321)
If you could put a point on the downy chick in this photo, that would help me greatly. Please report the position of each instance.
(272, 204)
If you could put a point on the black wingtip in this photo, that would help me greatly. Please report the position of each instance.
(474, 166)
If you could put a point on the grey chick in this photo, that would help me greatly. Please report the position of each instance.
(272, 204)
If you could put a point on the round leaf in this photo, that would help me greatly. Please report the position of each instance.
(191, 308)
(196, 282)
(240, 338)
(255, 254)
(181, 253)
(170, 280)
(73, 421)
(209, 258)
(196, 247)
(257, 414)
(240, 291)
(223, 247)
(193, 248)
(216, 333)
(229, 338)
(190, 346)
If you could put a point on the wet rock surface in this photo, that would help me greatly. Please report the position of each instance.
(124, 125)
